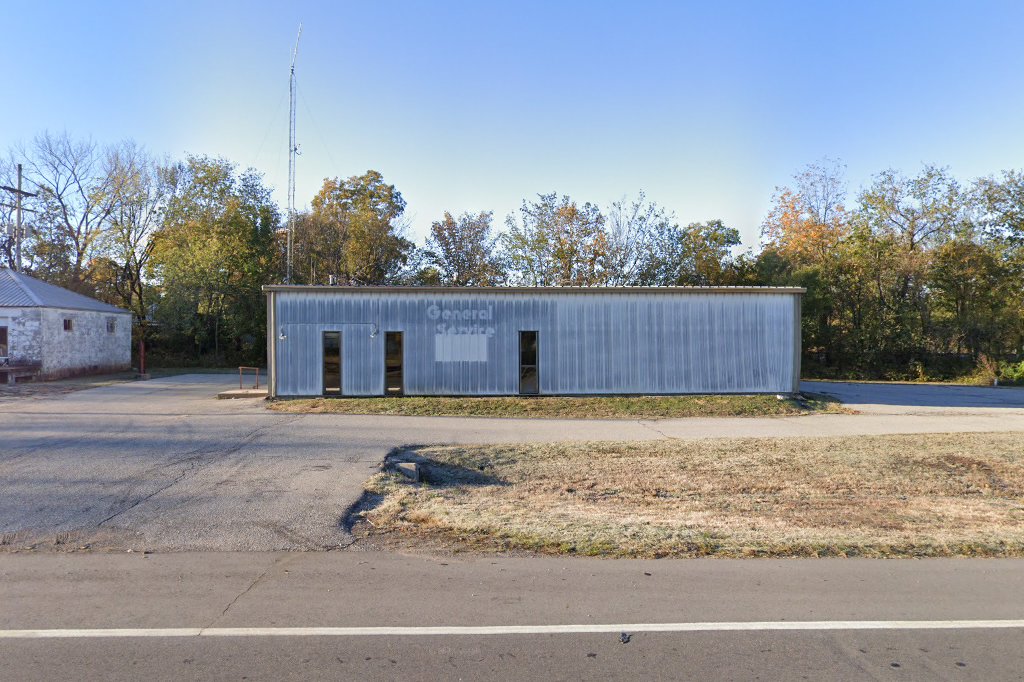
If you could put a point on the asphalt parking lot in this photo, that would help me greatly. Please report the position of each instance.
(162, 465)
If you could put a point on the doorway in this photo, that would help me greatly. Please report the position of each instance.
(393, 356)
(529, 381)
(332, 363)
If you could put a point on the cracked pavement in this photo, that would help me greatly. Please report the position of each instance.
(162, 465)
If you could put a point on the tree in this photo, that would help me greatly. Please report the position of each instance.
(463, 250)
(637, 233)
(75, 199)
(807, 232)
(141, 187)
(699, 254)
(216, 246)
(806, 224)
(905, 219)
(972, 302)
(1000, 203)
(356, 233)
(558, 243)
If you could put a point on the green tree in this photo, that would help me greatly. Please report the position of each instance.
(971, 297)
(906, 218)
(215, 248)
(462, 250)
(556, 243)
(1001, 208)
(356, 233)
(699, 254)
(141, 187)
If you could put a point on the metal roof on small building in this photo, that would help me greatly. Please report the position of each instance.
(18, 290)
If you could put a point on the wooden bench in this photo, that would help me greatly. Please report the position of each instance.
(11, 372)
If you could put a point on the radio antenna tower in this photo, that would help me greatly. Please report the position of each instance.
(293, 151)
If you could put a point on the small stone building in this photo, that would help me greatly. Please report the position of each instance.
(47, 332)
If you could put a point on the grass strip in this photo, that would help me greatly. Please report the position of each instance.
(878, 496)
(563, 407)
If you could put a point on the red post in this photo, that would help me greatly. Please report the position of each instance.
(241, 370)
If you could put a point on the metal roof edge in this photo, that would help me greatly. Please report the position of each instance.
(16, 277)
(112, 310)
(298, 288)
(93, 305)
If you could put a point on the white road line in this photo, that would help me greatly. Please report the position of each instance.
(400, 631)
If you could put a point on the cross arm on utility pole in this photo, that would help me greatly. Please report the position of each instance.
(19, 192)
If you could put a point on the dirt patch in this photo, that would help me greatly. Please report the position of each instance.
(915, 495)
(558, 407)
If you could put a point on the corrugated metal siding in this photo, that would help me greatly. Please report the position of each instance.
(589, 343)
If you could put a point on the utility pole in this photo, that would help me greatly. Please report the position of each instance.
(18, 194)
(293, 150)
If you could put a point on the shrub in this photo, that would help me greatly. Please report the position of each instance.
(1011, 373)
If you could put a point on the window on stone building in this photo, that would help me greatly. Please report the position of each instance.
(69, 325)
(111, 325)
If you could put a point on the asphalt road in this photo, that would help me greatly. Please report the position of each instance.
(211, 592)
(923, 399)
(161, 465)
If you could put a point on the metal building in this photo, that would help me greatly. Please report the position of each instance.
(371, 341)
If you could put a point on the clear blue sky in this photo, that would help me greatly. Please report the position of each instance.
(475, 105)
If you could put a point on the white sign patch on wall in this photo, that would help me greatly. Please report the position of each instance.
(460, 347)
(461, 335)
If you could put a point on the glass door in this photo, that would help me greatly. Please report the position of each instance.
(393, 384)
(529, 381)
(332, 363)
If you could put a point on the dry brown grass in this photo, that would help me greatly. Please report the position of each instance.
(917, 495)
(552, 407)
